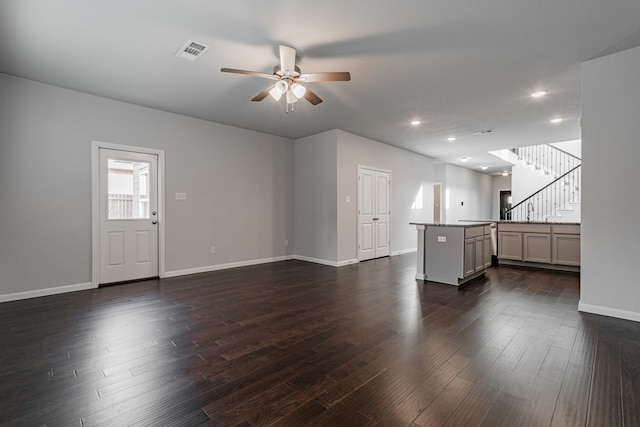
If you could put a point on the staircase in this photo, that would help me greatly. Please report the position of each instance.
(558, 201)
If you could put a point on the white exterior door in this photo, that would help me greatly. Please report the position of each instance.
(128, 216)
(373, 213)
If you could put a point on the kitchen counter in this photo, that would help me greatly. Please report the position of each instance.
(519, 222)
(453, 224)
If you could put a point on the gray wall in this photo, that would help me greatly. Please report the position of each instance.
(610, 243)
(239, 185)
(470, 194)
(315, 197)
(409, 173)
(326, 173)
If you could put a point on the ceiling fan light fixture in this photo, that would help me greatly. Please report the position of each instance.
(291, 98)
(298, 90)
(275, 93)
(282, 86)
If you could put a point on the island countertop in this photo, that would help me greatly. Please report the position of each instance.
(475, 224)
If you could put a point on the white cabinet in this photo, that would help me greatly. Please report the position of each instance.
(469, 257)
(479, 258)
(537, 247)
(566, 245)
(475, 254)
(566, 249)
(510, 245)
(486, 249)
(551, 244)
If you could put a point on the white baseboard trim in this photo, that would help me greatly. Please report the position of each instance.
(325, 261)
(608, 311)
(404, 251)
(316, 260)
(217, 267)
(46, 292)
(348, 262)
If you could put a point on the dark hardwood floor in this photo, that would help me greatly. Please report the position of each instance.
(299, 344)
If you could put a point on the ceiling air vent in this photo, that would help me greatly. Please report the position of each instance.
(192, 50)
(480, 132)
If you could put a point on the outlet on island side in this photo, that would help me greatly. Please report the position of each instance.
(213, 249)
(286, 243)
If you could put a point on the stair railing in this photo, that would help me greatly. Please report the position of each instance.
(549, 200)
(552, 160)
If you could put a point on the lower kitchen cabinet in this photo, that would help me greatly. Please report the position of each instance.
(537, 247)
(510, 245)
(554, 245)
(566, 249)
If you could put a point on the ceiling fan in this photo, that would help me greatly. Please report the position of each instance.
(289, 80)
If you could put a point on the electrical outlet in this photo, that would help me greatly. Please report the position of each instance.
(213, 249)
(442, 239)
(286, 243)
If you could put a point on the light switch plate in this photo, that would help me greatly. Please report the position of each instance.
(181, 196)
(442, 239)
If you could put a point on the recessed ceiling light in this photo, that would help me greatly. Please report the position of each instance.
(556, 120)
(505, 173)
(539, 93)
(484, 167)
(451, 138)
(464, 159)
(415, 122)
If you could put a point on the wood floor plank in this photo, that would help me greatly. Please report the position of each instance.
(630, 381)
(296, 343)
(605, 404)
(573, 400)
(442, 407)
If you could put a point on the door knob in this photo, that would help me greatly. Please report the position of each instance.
(154, 222)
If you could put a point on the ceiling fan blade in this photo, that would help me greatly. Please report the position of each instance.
(250, 73)
(312, 97)
(287, 58)
(262, 95)
(331, 76)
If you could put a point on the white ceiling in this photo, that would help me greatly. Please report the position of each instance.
(460, 66)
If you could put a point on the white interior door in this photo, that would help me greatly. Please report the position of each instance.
(373, 213)
(366, 210)
(128, 215)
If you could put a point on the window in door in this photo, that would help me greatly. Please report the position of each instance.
(128, 189)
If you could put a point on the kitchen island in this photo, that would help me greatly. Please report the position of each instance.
(453, 253)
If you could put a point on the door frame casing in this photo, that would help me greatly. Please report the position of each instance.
(95, 204)
(439, 219)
